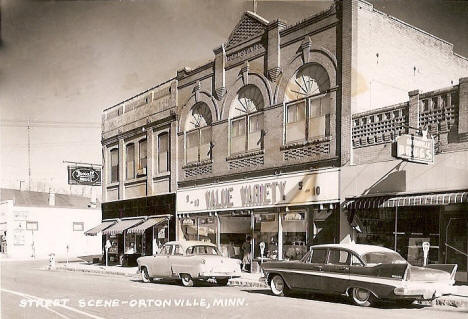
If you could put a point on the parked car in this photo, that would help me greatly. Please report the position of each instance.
(364, 273)
(189, 261)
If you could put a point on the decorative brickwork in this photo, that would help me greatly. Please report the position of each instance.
(198, 170)
(380, 126)
(249, 27)
(438, 111)
(304, 150)
(243, 162)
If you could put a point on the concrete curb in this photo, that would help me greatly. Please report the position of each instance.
(232, 282)
(96, 271)
(451, 301)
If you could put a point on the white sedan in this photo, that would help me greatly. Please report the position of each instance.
(189, 261)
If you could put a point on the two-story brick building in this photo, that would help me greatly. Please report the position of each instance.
(260, 136)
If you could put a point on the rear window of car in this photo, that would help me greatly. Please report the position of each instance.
(383, 257)
(202, 250)
(319, 256)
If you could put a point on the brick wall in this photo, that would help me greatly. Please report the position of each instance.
(394, 58)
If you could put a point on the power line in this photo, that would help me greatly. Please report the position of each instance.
(58, 124)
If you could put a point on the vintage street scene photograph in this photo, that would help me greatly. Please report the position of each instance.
(233, 159)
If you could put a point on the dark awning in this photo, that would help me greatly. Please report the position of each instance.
(99, 228)
(121, 226)
(150, 222)
(407, 200)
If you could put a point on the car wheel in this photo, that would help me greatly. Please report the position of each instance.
(187, 280)
(278, 286)
(222, 282)
(145, 276)
(362, 297)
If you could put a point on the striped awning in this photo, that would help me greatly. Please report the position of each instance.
(121, 226)
(99, 228)
(150, 222)
(407, 200)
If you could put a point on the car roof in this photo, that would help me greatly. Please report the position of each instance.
(360, 249)
(188, 243)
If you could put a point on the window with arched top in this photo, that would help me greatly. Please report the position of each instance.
(246, 120)
(307, 113)
(198, 134)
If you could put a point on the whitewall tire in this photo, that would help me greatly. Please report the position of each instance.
(362, 297)
(278, 286)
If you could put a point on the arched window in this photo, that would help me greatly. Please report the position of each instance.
(198, 134)
(246, 120)
(307, 104)
(114, 165)
(130, 161)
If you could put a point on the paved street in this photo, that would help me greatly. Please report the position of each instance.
(26, 290)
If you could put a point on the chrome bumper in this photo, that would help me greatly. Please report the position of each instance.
(426, 291)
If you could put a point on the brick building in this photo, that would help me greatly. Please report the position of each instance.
(261, 135)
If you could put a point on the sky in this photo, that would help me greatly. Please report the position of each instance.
(63, 62)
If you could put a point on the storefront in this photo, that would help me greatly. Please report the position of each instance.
(130, 238)
(404, 222)
(279, 216)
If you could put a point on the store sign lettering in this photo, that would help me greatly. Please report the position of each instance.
(415, 148)
(262, 194)
(219, 198)
(250, 195)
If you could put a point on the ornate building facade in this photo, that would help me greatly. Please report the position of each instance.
(263, 139)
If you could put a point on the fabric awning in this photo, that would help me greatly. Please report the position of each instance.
(99, 228)
(407, 200)
(121, 226)
(150, 222)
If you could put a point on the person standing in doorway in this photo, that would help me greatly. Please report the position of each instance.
(246, 252)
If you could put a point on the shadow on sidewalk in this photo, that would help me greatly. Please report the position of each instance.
(335, 299)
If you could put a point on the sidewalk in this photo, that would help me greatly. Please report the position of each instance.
(459, 299)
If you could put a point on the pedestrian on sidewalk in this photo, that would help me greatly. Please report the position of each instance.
(246, 252)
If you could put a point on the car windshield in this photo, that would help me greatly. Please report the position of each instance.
(383, 257)
(202, 250)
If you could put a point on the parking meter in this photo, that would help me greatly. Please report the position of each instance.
(425, 245)
(262, 250)
(107, 246)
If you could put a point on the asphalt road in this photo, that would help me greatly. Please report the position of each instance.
(29, 292)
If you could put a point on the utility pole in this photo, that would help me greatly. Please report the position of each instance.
(255, 6)
(29, 157)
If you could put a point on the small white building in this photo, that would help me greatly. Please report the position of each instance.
(35, 224)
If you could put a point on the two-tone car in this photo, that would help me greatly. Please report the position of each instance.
(364, 273)
(189, 261)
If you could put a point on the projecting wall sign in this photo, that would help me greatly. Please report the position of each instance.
(79, 175)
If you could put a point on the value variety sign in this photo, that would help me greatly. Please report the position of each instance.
(79, 175)
(282, 190)
(415, 148)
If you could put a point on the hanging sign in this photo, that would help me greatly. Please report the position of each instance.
(415, 148)
(80, 175)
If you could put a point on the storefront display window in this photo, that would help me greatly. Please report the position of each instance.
(266, 231)
(403, 229)
(133, 244)
(207, 229)
(294, 227)
(189, 228)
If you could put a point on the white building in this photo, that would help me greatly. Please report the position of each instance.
(35, 224)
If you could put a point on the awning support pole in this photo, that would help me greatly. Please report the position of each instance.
(396, 226)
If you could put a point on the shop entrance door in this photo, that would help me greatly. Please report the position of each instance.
(456, 246)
